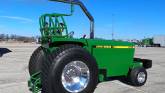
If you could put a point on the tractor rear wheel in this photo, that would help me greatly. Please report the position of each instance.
(35, 61)
(70, 69)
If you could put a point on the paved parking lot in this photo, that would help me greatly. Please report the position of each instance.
(14, 72)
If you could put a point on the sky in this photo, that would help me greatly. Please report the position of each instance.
(133, 19)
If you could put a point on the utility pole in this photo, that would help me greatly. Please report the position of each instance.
(113, 26)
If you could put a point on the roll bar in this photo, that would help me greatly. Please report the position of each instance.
(87, 13)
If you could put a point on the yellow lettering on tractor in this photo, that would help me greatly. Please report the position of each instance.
(115, 46)
(123, 47)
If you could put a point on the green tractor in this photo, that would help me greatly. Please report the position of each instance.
(64, 64)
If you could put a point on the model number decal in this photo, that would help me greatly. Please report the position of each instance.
(114, 46)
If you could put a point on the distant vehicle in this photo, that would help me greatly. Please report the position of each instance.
(159, 40)
(4, 51)
(156, 41)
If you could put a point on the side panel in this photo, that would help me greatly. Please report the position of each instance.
(115, 60)
(115, 57)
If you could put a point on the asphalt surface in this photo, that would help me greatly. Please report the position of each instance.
(14, 71)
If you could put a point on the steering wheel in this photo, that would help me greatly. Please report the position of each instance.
(71, 34)
(84, 36)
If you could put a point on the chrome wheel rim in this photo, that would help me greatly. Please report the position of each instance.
(75, 76)
(141, 77)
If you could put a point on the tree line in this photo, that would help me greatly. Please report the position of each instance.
(12, 37)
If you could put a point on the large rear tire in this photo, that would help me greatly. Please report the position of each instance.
(70, 69)
(35, 61)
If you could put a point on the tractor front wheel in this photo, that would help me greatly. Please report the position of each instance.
(138, 76)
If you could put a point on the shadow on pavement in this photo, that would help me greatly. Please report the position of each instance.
(122, 79)
(4, 51)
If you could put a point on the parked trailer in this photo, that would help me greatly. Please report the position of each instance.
(156, 41)
(159, 40)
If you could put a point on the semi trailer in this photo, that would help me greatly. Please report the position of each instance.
(156, 41)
